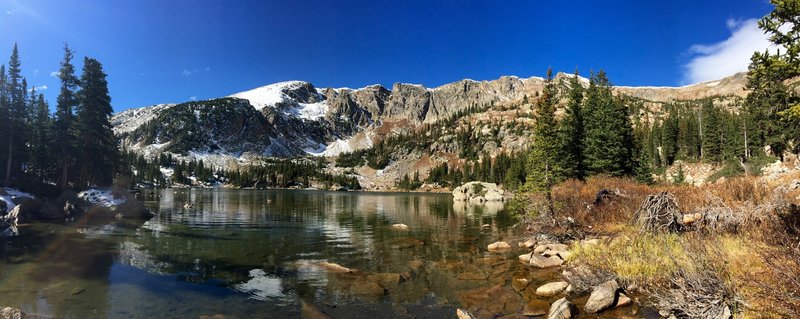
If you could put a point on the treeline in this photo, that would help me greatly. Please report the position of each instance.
(505, 169)
(73, 148)
(167, 171)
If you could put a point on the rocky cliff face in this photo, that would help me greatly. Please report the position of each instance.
(295, 118)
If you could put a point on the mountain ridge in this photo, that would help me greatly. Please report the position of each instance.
(295, 118)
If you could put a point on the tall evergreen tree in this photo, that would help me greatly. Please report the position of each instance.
(712, 133)
(543, 160)
(97, 144)
(63, 137)
(40, 141)
(571, 132)
(609, 133)
(15, 112)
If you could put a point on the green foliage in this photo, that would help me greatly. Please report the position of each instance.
(543, 170)
(728, 170)
(97, 145)
(609, 133)
(680, 177)
(571, 132)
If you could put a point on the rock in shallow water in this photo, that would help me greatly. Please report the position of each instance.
(545, 262)
(499, 246)
(551, 289)
(562, 309)
(602, 297)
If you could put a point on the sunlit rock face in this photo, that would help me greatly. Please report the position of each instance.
(296, 118)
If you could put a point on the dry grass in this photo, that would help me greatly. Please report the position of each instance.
(752, 268)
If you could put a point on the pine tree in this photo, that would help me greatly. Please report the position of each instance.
(15, 112)
(572, 132)
(609, 133)
(63, 132)
(97, 144)
(712, 133)
(543, 160)
(40, 141)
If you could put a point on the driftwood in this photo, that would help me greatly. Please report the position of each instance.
(659, 213)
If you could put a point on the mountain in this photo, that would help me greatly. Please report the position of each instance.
(295, 118)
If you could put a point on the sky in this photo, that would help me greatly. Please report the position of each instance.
(169, 51)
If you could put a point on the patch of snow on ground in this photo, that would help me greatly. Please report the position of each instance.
(104, 198)
(168, 172)
(267, 95)
(16, 193)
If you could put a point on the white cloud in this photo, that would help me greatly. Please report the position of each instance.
(186, 72)
(38, 88)
(721, 59)
(193, 98)
(54, 74)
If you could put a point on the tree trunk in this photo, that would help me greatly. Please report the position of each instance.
(7, 180)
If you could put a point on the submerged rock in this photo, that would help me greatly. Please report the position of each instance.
(400, 226)
(535, 308)
(335, 268)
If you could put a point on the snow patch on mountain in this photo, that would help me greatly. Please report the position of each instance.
(269, 95)
(129, 120)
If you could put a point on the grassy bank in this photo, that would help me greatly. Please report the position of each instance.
(742, 255)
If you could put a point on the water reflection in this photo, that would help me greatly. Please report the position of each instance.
(240, 252)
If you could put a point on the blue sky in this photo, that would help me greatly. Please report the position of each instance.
(161, 51)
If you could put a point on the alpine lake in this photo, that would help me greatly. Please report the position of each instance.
(222, 253)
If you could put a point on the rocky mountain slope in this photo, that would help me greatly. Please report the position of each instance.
(290, 119)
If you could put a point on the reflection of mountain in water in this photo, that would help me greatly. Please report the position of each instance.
(265, 244)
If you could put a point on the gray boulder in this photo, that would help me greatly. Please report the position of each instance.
(603, 297)
(562, 309)
(478, 192)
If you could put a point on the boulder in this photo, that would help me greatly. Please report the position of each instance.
(545, 262)
(603, 297)
(623, 300)
(551, 289)
(499, 246)
(478, 192)
(527, 244)
(525, 258)
(562, 309)
(113, 203)
(64, 206)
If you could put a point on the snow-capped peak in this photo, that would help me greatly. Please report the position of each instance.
(268, 95)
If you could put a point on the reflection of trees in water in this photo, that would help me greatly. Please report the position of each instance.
(227, 234)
